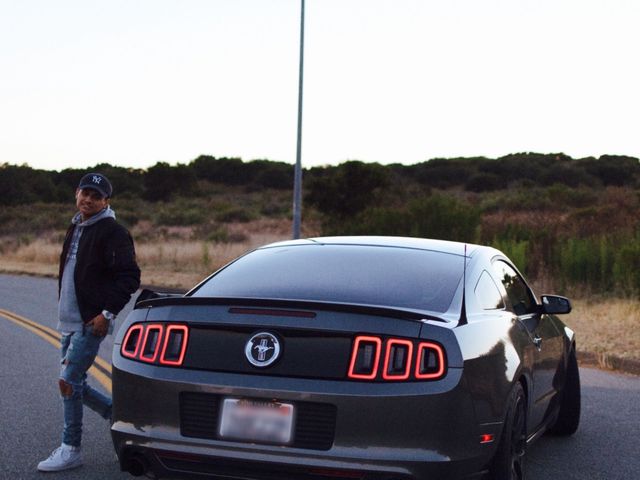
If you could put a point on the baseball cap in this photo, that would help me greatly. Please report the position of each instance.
(98, 182)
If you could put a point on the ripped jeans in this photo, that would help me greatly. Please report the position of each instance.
(79, 350)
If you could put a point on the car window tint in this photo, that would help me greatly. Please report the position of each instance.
(487, 293)
(518, 293)
(373, 275)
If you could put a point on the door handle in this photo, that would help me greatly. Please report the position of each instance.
(537, 341)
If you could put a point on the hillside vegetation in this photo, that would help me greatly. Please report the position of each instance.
(569, 224)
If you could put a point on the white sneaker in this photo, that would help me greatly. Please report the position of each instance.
(62, 458)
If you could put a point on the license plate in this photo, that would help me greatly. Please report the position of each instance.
(257, 421)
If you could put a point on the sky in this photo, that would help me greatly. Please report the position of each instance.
(133, 83)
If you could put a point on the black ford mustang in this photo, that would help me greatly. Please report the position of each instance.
(348, 357)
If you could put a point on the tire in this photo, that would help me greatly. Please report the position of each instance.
(508, 463)
(569, 413)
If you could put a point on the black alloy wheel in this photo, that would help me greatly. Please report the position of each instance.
(508, 463)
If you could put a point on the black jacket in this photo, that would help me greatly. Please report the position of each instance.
(106, 273)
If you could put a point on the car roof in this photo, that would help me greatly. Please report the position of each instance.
(444, 246)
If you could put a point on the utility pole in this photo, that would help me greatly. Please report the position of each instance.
(297, 181)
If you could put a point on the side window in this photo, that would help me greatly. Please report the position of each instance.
(517, 291)
(487, 293)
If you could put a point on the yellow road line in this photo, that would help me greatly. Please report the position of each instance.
(51, 332)
(53, 338)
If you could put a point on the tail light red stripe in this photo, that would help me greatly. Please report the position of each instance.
(377, 343)
(399, 345)
(177, 330)
(150, 343)
(134, 330)
(400, 363)
(423, 349)
(155, 349)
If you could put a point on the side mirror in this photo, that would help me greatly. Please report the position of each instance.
(554, 304)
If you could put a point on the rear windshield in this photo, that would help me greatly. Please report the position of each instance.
(384, 276)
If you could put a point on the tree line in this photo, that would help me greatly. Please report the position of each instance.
(342, 190)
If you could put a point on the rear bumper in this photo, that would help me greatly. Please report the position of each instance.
(188, 461)
(382, 431)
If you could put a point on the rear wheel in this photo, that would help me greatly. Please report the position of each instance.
(508, 463)
(569, 414)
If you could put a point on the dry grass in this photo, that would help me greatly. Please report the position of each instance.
(183, 263)
(607, 328)
(174, 259)
(165, 263)
(37, 257)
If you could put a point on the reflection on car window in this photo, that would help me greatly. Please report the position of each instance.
(518, 293)
(487, 293)
(394, 277)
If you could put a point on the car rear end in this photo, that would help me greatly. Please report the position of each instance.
(305, 360)
(362, 394)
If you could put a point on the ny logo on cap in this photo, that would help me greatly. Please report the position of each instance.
(96, 179)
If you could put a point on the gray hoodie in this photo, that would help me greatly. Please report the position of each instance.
(69, 319)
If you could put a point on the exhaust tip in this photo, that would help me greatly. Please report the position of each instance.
(137, 465)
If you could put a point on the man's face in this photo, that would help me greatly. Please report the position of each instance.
(89, 202)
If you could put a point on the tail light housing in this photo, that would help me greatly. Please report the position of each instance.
(365, 358)
(404, 359)
(397, 360)
(157, 343)
(430, 361)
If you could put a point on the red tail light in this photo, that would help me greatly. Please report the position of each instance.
(429, 362)
(156, 342)
(151, 343)
(397, 361)
(365, 358)
(131, 344)
(175, 345)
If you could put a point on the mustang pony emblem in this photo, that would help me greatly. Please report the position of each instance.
(262, 349)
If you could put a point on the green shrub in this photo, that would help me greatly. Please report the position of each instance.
(436, 216)
(605, 262)
(234, 214)
(626, 267)
(444, 218)
(516, 250)
(218, 235)
(346, 190)
(484, 182)
(180, 214)
(562, 195)
(35, 218)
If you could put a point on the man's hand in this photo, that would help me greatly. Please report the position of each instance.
(99, 324)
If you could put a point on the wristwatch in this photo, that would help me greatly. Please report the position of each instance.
(108, 315)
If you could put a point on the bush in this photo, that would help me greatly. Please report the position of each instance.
(515, 250)
(163, 182)
(35, 219)
(437, 216)
(348, 189)
(218, 234)
(626, 267)
(234, 214)
(484, 182)
(180, 214)
(605, 262)
(563, 195)
(444, 218)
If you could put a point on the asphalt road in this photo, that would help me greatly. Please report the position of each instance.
(604, 448)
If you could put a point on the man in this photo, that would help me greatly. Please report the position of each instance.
(98, 275)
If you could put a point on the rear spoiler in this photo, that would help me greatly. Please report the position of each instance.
(147, 294)
(166, 300)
